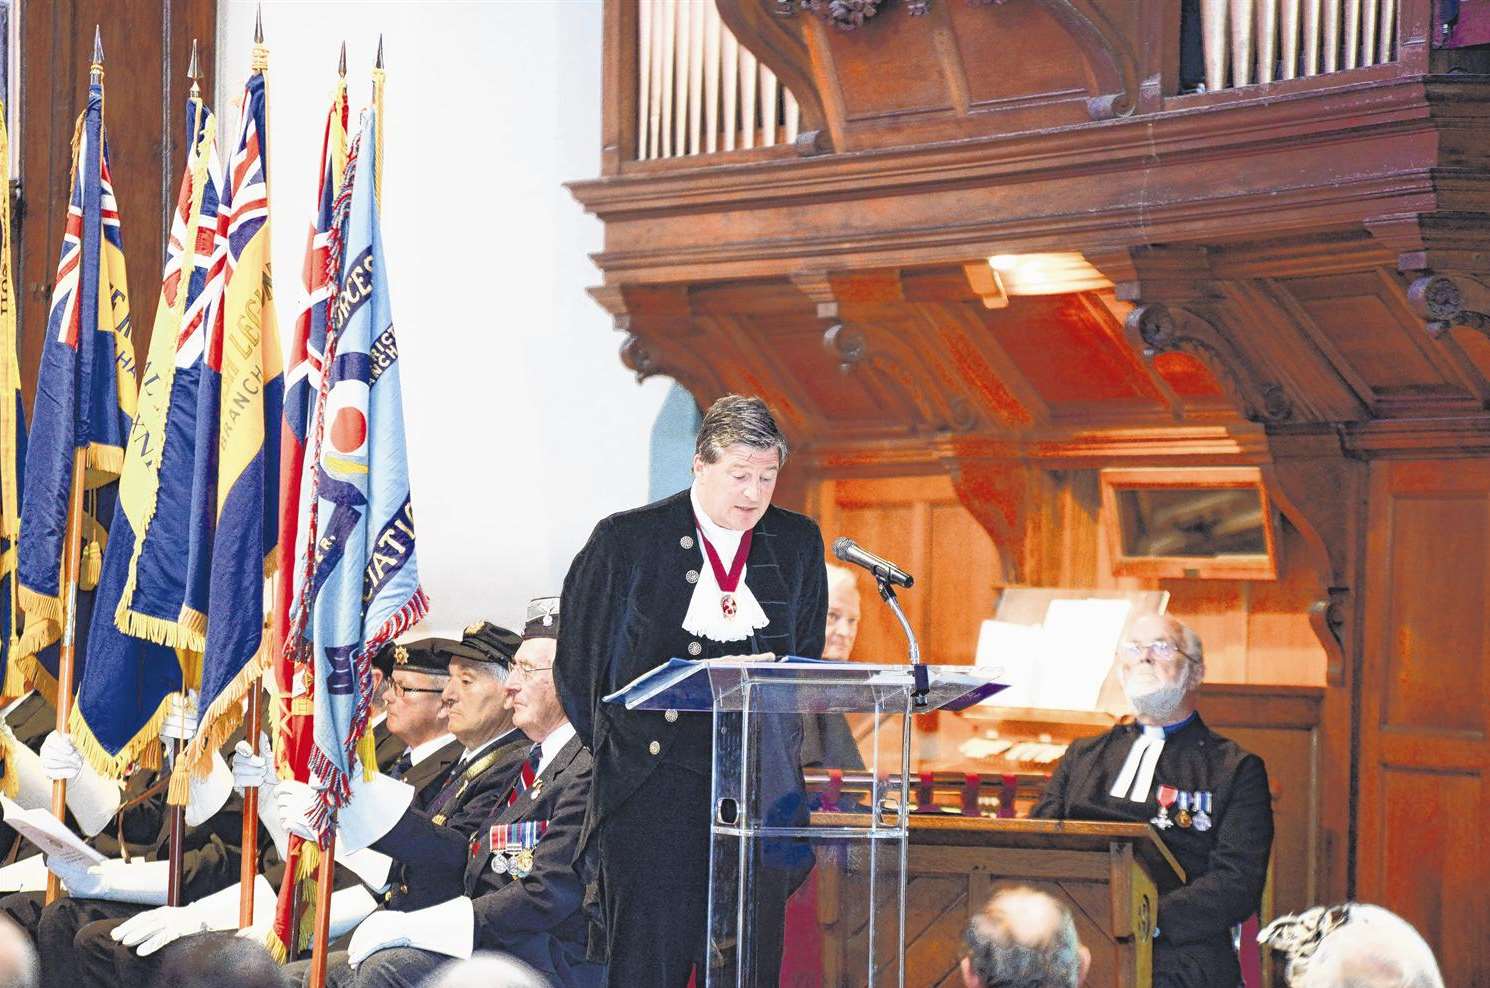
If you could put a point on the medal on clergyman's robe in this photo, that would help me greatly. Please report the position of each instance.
(1166, 797)
(1182, 815)
(1202, 818)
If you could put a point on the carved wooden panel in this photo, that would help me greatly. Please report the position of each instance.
(147, 47)
(919, 523)
(1424, 768)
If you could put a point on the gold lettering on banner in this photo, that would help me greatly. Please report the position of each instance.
(355, 287)
(246, 376)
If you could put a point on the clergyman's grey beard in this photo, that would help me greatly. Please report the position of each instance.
(1162, 703)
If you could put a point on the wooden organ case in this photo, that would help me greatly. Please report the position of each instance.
(975, 254)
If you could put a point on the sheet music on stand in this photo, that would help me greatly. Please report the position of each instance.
(1056, 646)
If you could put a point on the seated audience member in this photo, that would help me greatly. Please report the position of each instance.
(827, 741)
(422, 748)
(509, 887)
(486, 971)
(1207, 796)
(1352, 946)
(1023, 937)
(18, 963)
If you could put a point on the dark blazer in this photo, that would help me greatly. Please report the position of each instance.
(623, 605)
(430, 774)
(1225, 866)
(461, 803)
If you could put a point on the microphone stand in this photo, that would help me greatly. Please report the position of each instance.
(918, 670)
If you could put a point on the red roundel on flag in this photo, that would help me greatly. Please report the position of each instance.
(348, 429)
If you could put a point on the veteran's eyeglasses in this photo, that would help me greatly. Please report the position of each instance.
(1159, 648)
(526, 668)
(400, 690)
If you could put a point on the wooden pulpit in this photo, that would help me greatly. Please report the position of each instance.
(1110, 874)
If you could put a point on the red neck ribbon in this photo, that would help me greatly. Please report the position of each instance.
(727, 581)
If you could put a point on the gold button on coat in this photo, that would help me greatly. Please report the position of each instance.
(671, 716)
(655, 747)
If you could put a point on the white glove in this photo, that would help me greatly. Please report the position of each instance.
(93, 799)
(369, 865)
(60, 758)
(181, 720)
(26, 875)
(208, 794)
(35, 789)
(295, 803)
(153, 929)
(252, 771)
(348, 908)
(448, 928)
(142, 882)
(376, 805)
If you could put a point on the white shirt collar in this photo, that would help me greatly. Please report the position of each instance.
(420, 752)
(550, 746)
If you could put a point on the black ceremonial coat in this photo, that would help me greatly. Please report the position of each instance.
(536, 918)
(1225, 866)
(624, 600)
(429, 775)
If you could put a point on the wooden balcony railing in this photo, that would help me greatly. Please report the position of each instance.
(692, 83)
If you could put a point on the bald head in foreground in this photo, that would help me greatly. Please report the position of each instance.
(1352, 946)
(1024, 937)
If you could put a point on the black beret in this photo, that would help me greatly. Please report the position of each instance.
(429, 655)
(543, 618)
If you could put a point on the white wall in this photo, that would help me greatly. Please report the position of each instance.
(524, 429)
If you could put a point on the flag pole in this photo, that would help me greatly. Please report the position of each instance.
(325, 877)
(72, 552)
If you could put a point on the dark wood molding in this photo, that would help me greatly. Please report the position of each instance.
(1451, 301)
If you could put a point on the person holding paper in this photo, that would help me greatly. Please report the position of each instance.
(710, 572)
(1206, 795)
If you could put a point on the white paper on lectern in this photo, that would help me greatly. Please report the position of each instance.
(1017, 649)
(49, 834)
(1081, 638)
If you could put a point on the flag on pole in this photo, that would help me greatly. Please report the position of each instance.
(294, 720)
(233, 527)
(85, 400)
(132, 665)
(12, 453)
(357, 577)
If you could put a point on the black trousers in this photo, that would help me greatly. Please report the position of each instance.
(654, 888)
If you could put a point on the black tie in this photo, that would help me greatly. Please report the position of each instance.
(402, 766)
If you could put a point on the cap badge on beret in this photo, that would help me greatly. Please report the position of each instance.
(542, 619)
(471, 629)
(400, 655)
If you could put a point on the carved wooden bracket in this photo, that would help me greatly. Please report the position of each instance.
(657, 322)
(929, 403)
(1448, 301)
(1157, 328)
(997, 494)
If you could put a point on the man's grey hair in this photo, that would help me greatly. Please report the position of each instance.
(19, 967)
(1352, 946)
(484, 970)
(496, 670)
(739, 419)
(1024, 938)
(1190, 643)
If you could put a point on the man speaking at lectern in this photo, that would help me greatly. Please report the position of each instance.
(710, 572)
(1207, 797)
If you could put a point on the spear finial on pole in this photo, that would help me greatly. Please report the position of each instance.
(260, 61)
(379, 63)
(194, 72)
(341, 66)
(96, 73)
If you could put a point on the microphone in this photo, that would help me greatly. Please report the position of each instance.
(850, 551)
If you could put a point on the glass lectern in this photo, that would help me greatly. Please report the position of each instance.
(766, 837)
